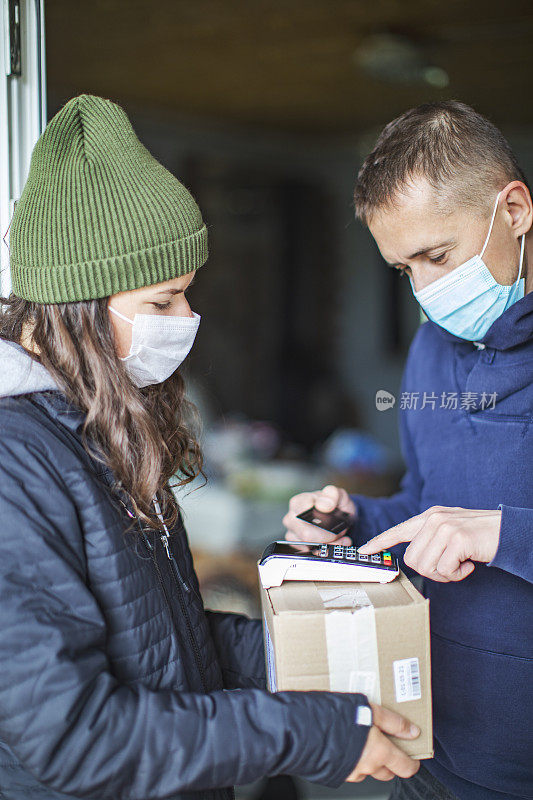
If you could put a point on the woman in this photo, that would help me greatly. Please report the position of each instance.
(113, 678)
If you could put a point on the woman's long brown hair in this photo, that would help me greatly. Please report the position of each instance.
(146, 436)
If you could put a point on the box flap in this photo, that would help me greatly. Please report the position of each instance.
(305, 596)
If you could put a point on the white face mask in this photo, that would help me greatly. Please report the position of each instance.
(159, 344)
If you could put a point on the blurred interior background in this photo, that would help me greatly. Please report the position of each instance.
(265, 109)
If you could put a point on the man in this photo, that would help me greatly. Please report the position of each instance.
(447, 204)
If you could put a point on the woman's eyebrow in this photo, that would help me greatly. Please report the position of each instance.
(176, 291)
(170, 291)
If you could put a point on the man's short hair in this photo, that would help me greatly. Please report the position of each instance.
(461, 153)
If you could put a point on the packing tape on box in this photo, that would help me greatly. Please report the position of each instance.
(271, 659)
(348, 596)
(352, 643)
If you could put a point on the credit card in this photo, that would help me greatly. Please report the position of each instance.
(334, 521)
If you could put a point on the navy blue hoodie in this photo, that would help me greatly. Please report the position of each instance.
(478, 454)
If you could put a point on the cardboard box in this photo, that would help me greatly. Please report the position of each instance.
(354, 637)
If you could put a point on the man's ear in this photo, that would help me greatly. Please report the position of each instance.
(519, 207)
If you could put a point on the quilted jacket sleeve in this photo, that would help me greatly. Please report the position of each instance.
(239, 644)
(79, 730)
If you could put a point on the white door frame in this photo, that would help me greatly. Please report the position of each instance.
(22, 106)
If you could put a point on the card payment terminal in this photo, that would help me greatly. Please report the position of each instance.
(311, 561)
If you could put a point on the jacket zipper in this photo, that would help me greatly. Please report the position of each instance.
(180, 581)
(182, 586)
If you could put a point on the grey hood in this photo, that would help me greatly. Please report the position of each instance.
(19, 373)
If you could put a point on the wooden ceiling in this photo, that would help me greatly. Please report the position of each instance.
(287, 64)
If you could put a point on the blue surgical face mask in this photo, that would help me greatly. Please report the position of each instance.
(467, 300)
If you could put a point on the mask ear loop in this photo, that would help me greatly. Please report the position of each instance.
(114, 310)
(491, 223)
(521, 259)
(521, 246)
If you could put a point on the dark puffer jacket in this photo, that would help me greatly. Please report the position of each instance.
(114, 680)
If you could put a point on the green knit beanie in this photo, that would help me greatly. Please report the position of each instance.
(98, 213)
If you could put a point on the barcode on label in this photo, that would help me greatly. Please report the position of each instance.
(407, 679)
